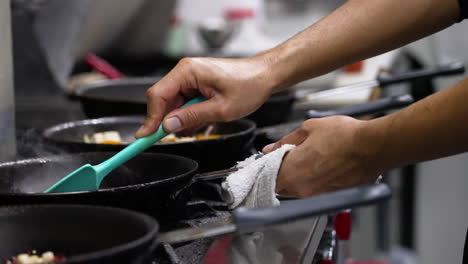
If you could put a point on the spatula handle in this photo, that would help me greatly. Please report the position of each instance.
(137, 146)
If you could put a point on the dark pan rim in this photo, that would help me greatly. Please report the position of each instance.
(147, 237)
(49, 132)
(127, 188)
(81, 92)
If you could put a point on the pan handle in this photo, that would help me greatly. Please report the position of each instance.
(251, 219)
(214, 175)
(375, 107)
(444, 70)
(219, 174)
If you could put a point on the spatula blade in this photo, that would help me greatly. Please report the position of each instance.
(82, 179)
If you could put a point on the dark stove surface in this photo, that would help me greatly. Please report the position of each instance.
(190, 252)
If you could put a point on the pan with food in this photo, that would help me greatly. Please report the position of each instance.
(121, 236)
(217, 147)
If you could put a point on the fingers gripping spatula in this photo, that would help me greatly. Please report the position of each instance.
(89, 177)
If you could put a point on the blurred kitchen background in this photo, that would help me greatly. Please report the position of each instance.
(426, 220)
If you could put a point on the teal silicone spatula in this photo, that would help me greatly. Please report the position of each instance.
(89, 177)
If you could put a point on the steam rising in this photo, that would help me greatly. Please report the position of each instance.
(30, 144)
(34, 172)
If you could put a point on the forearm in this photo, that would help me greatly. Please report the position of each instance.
(359, 29)
(434, 127)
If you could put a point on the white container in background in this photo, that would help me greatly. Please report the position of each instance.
(7, 108)
(192, 13)
(248, 38)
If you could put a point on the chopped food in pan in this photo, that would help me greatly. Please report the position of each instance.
(174, 138)
(34, 258)
(107, 137)
(113, 137)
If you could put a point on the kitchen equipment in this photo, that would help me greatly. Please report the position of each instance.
(215, 31)
(89, 177)
(82, 234)
(385, 80)
(125, 236)
(236, 136)
(342, 225)
(128, 96)
(67, 31)
(371, 108)
(270, 134)
(7, 108)
(278, 108)
(275, 110)
(102, 66)
(234, 144)
(152, 183)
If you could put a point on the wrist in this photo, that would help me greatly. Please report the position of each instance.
(373, 137)
(274, 75)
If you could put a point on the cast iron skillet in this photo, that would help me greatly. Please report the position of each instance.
(153, 183)
(128, 96)
(212, 154)
(87, 234)
(83, 234)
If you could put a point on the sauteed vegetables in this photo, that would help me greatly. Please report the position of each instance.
(113, 137)
(33, 258)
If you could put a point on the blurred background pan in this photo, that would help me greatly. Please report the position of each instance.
(127, 96)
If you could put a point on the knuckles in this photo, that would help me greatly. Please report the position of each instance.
(223, 113)
(189, 63)
(190, 115)
(151, 93)
(185, 62)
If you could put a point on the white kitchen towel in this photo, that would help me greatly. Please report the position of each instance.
(254, 184)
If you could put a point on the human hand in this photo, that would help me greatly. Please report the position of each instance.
(233, 87)
(332, 153)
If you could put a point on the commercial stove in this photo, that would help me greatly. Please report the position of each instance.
(304, 241)
(296, 242)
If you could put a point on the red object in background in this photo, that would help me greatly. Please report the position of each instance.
(367, 262)
(326, 261)
(342, 225)
(355, 67)
(103, 67)
(239, 13)
(175, 20)
(216, 254)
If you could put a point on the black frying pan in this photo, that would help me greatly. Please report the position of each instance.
(150, 182)
(108, 235)
(128, 96)
(211, 154)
